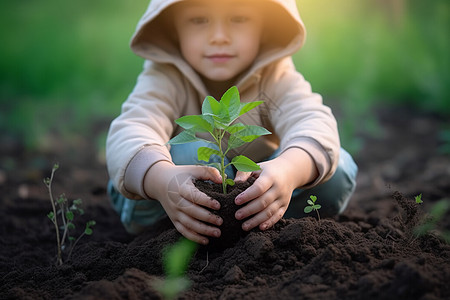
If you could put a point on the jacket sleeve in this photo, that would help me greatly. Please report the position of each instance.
(137, 137)
(300, 118)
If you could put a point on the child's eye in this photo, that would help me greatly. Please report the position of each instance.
(239, 19)
(199, 20)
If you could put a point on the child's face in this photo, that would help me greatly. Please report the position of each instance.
(219, 38)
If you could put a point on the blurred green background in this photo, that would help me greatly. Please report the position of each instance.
(66, 64)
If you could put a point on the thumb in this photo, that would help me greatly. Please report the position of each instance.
(242, 176)
(207, 173)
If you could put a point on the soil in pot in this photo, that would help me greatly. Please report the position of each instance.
(231, 228)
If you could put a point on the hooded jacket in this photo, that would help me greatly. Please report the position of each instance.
(169, 88)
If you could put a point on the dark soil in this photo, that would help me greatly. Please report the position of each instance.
(231, 229)
(369, 252)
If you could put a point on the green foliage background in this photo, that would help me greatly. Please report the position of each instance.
(66, 64)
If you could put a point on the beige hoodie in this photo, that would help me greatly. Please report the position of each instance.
(169, 88)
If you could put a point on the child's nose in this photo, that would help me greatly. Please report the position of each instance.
(219, 33)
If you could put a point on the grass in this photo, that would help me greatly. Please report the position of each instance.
(360, 54)
(64, 64)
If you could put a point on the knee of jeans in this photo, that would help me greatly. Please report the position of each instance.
(347, 165)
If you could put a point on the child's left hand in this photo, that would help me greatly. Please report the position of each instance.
(270, 194)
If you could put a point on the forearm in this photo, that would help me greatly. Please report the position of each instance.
(155, 183)
(299, 165)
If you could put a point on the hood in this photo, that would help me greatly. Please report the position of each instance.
(154, 38)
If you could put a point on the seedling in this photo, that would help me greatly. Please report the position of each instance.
(67, 212)
(418, 199)
(312, 206)
(176, 259)
(217, 119)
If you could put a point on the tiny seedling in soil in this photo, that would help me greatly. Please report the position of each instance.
(60, 206)
(418, 199)
(217, 119)
(312, 206)
(176, 259)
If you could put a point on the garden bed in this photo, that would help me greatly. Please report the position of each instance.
(369, 252)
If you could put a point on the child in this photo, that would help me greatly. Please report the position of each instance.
(196, 48)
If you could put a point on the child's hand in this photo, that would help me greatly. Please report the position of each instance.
(270, 194)
(185, 205)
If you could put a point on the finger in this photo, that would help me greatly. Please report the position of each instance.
(273, 220)
(202, 214)
(192, 194)
(199, 227)
(269, 216)
(258, 188)
(207, 173)
(242, 176)
(193, 236)
(256, 205)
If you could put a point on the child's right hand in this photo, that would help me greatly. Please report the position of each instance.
(185, 205)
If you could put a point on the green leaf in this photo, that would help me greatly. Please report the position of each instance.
(310, 202)
(223, 120)
(62, 198)
(70, 226)
(317, 206)
(418, 199)
(235, 142)
(246, 107)
(51, 215)
(215, 165)
(69, 215)
(308, 209)
(88, 231)
(177, 257)
(313, 198)
(185, 136)
(194, 123)
(230, 181)
(241, 134)
(251, 132)
(91, 223)
(204, 153)
(77, 202)
(236, 128)
(244, 164)
(231, 102)
(210, 106)
(71, 238)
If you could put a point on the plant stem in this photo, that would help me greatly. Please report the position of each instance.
(222, 170)
(55, 221)
(317, 211)
(63, 210)
(222, 163)
(74, 244)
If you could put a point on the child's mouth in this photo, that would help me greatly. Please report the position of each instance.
(219, 58)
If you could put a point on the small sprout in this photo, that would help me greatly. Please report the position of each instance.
(418, 199)
(176, 259)
(312, 206)
(60, 207)
(218, 119)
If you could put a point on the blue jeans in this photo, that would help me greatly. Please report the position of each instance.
(333, 195)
